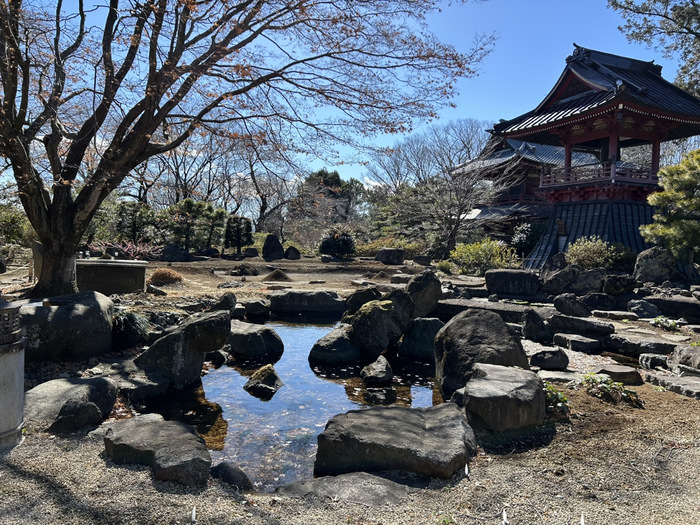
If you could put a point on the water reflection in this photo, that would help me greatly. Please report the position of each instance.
(274, 442)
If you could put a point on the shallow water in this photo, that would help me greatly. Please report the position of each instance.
(274, 441)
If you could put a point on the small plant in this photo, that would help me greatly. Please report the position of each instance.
(526, 235)
(129, 329)
(602, 387)
(447, 520)
(555, 400)
(163, 276)
(444, 266)
(478, 257)
(337, 241)
(665, 323)
(592, 252)
(370, 249)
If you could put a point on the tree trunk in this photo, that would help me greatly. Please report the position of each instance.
(57, 271)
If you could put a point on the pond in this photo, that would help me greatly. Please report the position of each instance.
(274, 442)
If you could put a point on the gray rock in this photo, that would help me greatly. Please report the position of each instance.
(643, 309)
(292, 254)
(425, 291)
(559, 376)
(435, 441)
(578, 343)
(360, 297)
(687, 386)
(576, 325)
(502, 398)
(569, 304)
(377, 373)
(73, 327)
(652, 361)
(656, 265)
(600, 301)
(621, 374)
(227, 303)
(474, 336)
(362, 488)
(634, 345)
(688, 356)
(67, 405)
(614, 315)
(250, 252)
(154, 290)
(550, 359)
(179, 354)
(509, 312)
(400, 278)
(233, 475)
(588, 281)
(512, 283)
(264, 383)
(272, 248)
(618, 284)
(257, 310)
(218, 358)
(676, 306)
(335, 350)
(319, 302)
(172, 449)
(173, 253)
(423, 260)
(418, 342)
(390, 256)
(254, 341)
(377, 325)
(535, 328)
(574, 279)
(238, 312)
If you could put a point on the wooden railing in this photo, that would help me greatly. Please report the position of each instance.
(597, 173)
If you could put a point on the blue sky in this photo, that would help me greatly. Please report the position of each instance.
(534, 37)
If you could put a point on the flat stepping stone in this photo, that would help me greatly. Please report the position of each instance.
(634, 345)
(688, 386)
(435, 441)
(621, 374)
(576, 325)
(559, 376)
(356, 487)
(172, 449)
(615, 315)
(446, 309)
(578, 343)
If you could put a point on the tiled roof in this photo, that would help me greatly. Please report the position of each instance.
(604, 81)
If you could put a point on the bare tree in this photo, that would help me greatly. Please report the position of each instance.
(112, 81)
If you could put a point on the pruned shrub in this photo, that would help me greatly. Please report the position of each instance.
(337, 241)
(371, 248)
(478, 257)
(163, 276)
(593, 252)
(526, 235)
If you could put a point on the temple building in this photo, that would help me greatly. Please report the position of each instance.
(615, 112)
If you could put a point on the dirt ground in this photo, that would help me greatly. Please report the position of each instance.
(603, 464)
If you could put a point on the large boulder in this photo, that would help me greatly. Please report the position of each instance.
(534, 327)
(569, 304)
(577, 325)
(359, 297)
(618, 284)
(73, 327)
(677, 306)
(502, 398)
(574, 279)
(425, 290)
(173, 253)
(550, 359)
(390, 256)
(643, 309)
(67, 405)
(172, 449)
(180, 353)
(474, 336)
(418, 343)
(361, 488)
(377, 325)
(512, 283)
(334, 350)
(656, 265)
(292, 254)
(435, 441)
(255, 342)
(272, 248)
(685, 356)
(318, 302)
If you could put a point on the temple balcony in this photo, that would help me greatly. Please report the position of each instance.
(597, 174)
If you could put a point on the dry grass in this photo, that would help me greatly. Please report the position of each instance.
(164, 276)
